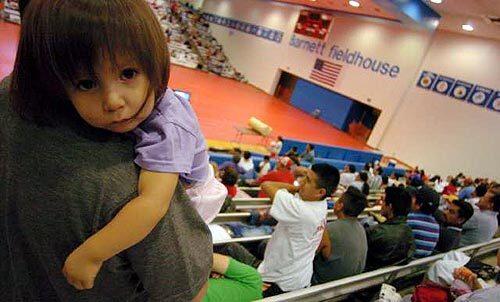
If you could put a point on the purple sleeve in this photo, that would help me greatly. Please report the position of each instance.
(165, 147)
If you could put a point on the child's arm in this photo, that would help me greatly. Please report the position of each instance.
(132, 224)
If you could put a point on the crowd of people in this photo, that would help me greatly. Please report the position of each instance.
(190, 40)
(415, 222)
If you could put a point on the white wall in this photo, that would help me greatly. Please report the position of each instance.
(257, 58)
(444, 135)
(260, 60)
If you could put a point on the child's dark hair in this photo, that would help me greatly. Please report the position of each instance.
(399, 199)
(481, 190)
(247, 155)
(364, 178)
(62, 40)
(428, 199)
(328, 177)
(230, 176)
(465, 209)
(354, 202)
(266, 157)
(352, 168)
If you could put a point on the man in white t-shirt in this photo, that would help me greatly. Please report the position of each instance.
(348, 176)
(301, 214)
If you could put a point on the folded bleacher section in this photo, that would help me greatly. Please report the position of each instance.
(190, 41)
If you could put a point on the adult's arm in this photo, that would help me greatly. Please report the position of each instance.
(325, 246)
(271, 187)
(174, 261)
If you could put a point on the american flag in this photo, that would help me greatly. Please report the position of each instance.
(325, 72)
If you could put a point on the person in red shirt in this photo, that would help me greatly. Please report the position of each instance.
(281, 174)
(451, 189)
(229, 179)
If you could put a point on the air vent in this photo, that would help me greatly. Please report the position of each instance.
(492, 20)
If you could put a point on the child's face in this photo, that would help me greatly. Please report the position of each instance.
(117, 98)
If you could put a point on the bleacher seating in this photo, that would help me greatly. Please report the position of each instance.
(190, 41)
(219, 158)
(339, 289)
(243, 217)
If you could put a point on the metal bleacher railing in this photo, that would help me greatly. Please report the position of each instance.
(339, 289)
(243, 216)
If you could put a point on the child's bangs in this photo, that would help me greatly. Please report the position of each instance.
(87, 32)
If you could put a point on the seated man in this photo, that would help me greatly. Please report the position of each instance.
(424, 227)
(348, 176)
(288, 258)
(483, 225)
(451, 221)
(478, 193)
(308, 154)
(246, 165)
(391, 242)
(342, 251)
(467, 189)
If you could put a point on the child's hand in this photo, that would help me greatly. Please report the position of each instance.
(80, 270)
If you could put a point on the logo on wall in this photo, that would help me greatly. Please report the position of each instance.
(460, 90)
(426, 79)
(313, 24)
(495, 102)
(480, 95)
(325, 72)
(443, 84)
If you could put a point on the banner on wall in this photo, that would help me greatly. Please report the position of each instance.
(313, 24)
(460, 90)
(245, 27)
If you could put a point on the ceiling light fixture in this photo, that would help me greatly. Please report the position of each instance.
(467, 27)
(437, 1)
(354, 3)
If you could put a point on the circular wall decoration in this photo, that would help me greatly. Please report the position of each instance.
(478, 97)
(496, 104)
(442, 86)
(425, 81)
(459, 92)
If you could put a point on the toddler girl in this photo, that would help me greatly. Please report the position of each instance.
(113, 73)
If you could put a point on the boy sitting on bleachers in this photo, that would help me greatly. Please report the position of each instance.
(301, 215)
(391, 242)
(339, 255)
(424, 226)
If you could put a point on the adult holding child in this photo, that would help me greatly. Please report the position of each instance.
(66, 171)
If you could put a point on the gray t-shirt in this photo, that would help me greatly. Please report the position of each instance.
(57, 188)
(349, 248)
(481, 227)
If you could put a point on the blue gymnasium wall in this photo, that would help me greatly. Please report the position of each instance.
(334, 107)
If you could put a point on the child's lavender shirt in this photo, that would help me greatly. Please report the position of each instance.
(170, 140)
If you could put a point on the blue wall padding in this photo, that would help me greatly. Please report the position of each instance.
(332, 152)
(334, 107)
(220, 158)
